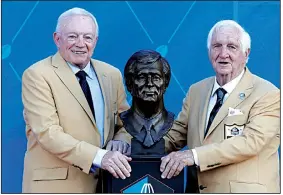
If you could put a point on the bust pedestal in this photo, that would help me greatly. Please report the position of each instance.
(145, 175)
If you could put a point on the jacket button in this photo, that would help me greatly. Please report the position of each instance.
(201, 187)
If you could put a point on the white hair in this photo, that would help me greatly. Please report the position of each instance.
(245, 39)
(73, 12)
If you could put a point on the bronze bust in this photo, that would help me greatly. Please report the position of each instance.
(147, 75)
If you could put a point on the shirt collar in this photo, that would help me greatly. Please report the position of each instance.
(87, 69)
(230, 86)
(140, 121)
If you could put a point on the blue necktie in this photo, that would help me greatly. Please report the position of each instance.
(85, 87)
(220, 97)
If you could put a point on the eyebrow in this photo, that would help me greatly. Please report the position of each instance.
(153, 72)
(80, 33)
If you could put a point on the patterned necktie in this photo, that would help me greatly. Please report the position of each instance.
(148, 141)
(85, 87)
(220, 97)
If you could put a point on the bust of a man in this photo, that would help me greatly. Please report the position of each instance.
(147, 75)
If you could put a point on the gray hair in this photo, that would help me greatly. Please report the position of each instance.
(245, 39)
(73, 12)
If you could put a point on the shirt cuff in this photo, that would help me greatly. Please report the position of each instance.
(195, 156)
(98, 158)
(96, 163)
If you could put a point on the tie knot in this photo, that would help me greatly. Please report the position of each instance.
(81, 74)
(220, 93)
(148, 126)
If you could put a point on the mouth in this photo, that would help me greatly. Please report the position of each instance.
(223, 63)
(79, 52)
(150, 93)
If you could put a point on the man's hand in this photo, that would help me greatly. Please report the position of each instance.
(117, 164)
(174, 163)
(117, 145)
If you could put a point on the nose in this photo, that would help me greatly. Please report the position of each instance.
(149, 81)
(80, 42)
(224, 52)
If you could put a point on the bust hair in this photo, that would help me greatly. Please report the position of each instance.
(145, 57)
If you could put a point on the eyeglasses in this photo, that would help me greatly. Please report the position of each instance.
(73, 37)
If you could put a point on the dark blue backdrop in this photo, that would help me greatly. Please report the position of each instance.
(177, 29)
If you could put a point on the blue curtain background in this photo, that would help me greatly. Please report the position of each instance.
(176, 29)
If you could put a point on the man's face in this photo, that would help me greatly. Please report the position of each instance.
(226, 54)
(149, 82)
(76, 39)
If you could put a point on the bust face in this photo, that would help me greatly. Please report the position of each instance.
(149, 82)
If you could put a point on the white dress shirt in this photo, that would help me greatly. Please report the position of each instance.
(229, 87)
(98, 104)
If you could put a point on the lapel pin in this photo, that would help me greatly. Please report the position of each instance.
(242, 96)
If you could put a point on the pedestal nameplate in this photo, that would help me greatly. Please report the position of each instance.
(145, 178)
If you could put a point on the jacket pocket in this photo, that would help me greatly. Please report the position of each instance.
(243, 187)
(235, 120)
(45, 174)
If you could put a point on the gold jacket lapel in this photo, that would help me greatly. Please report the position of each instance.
(104, 85)
(245, 87)
(66, 75)
(204, 101)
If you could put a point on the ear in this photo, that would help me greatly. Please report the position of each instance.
(129, 86)
(95, 41)
(247, 53)
(56, 38)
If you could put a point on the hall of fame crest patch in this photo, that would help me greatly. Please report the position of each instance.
(233, 130)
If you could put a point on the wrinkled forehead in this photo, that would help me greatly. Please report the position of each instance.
(230, 33)
(155, 67)
(78, 23)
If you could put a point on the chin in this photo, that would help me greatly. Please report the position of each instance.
(80, 63)
(224, 71)
(150, 99)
